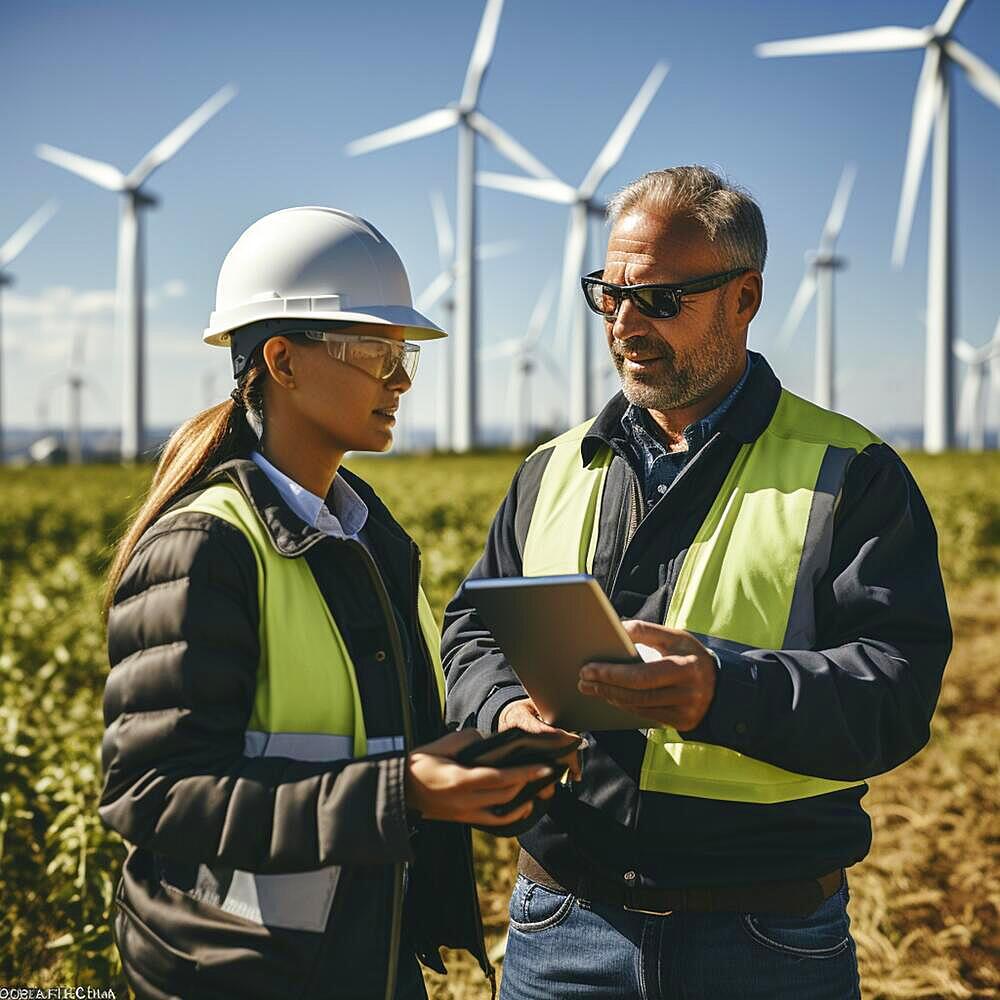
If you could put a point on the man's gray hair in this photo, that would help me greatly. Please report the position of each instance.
(728, 214)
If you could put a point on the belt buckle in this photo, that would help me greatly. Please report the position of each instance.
(630, 878)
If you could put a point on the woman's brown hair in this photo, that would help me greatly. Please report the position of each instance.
(205, 440)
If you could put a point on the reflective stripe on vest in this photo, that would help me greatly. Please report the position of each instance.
(747, 581)
(307, 707)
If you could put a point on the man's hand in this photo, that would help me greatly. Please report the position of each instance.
(524, 715)
(675, 691)
(438, 788)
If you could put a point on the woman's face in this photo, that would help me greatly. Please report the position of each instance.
(351, 409)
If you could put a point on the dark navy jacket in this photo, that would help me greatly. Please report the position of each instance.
(857, 705)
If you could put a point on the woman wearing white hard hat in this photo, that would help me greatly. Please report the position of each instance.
(275, 753)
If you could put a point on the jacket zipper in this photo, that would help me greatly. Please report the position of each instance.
(395, 932)
(633, 527)
(477, 920)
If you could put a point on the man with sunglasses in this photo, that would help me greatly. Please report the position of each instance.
(780, 561)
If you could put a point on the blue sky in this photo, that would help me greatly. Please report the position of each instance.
(108, 80)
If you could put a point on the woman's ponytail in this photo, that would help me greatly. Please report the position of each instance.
(205, 440)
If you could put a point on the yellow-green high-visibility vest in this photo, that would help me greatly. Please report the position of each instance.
(746, 582)
(307, 704)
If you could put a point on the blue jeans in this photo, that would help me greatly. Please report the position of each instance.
(561, 946)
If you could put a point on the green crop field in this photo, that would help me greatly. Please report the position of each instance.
(924, 904)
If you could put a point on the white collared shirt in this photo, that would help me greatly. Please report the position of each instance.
(346, 520)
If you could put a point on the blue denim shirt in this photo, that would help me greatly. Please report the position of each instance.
(657, 467)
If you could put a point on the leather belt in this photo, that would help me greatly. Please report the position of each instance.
(797, 898)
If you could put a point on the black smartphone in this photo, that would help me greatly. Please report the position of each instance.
(514, 747)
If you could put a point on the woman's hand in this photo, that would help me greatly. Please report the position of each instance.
(438, 788)
(524, 715)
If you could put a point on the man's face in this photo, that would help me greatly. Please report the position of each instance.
(669, 364)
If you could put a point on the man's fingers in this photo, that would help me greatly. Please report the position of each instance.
(668, 672)
(636, 698)
(661, 637)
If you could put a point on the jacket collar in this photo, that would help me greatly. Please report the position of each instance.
(289, 534)
(744, 421)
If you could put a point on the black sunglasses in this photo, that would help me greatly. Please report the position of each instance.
(655, 301)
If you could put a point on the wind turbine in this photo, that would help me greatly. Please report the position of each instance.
(583, 204)
(131, 307)
(433, 293)
(983, 366)
(525, 353)
(75, 382)
(470, 121)
(8, 252)
(818, 281)
(932, 110)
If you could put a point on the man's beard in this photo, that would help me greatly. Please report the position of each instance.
(674, 385)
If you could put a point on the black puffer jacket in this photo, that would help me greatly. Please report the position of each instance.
(183, 647)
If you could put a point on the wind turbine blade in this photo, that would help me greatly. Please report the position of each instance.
(949, 16)
(924, 103)
(76, 351)
(508, 146)
(416, 128)
(804, 295)
(102, 174)
(835, 220)
(489, 251)
(496, 352)
(982, 76)
(866, 40)
(26, 232)
(172, 143)
(540, 314)
(430, 295)
(620, 137)
(547, 189)
(552, 365)
(576, 248)
(442, 230)
(482, 53)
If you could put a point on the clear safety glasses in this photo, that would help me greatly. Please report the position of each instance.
(376, 356)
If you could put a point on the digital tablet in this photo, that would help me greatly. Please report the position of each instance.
(550, 626)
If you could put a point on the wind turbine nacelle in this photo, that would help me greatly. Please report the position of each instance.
(6, 279)
(816, 258)
(145, 200)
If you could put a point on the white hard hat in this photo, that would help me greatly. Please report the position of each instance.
(314, 264)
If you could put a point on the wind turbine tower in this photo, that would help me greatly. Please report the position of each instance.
(131, 279)
(982, 371)
(525, 353)
(441, 289)
(818, 281)
(584, 203)
(470, 121)
(932, 113)
(8, 252)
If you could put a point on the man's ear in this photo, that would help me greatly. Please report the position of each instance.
(748, 298)
(278, 358)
